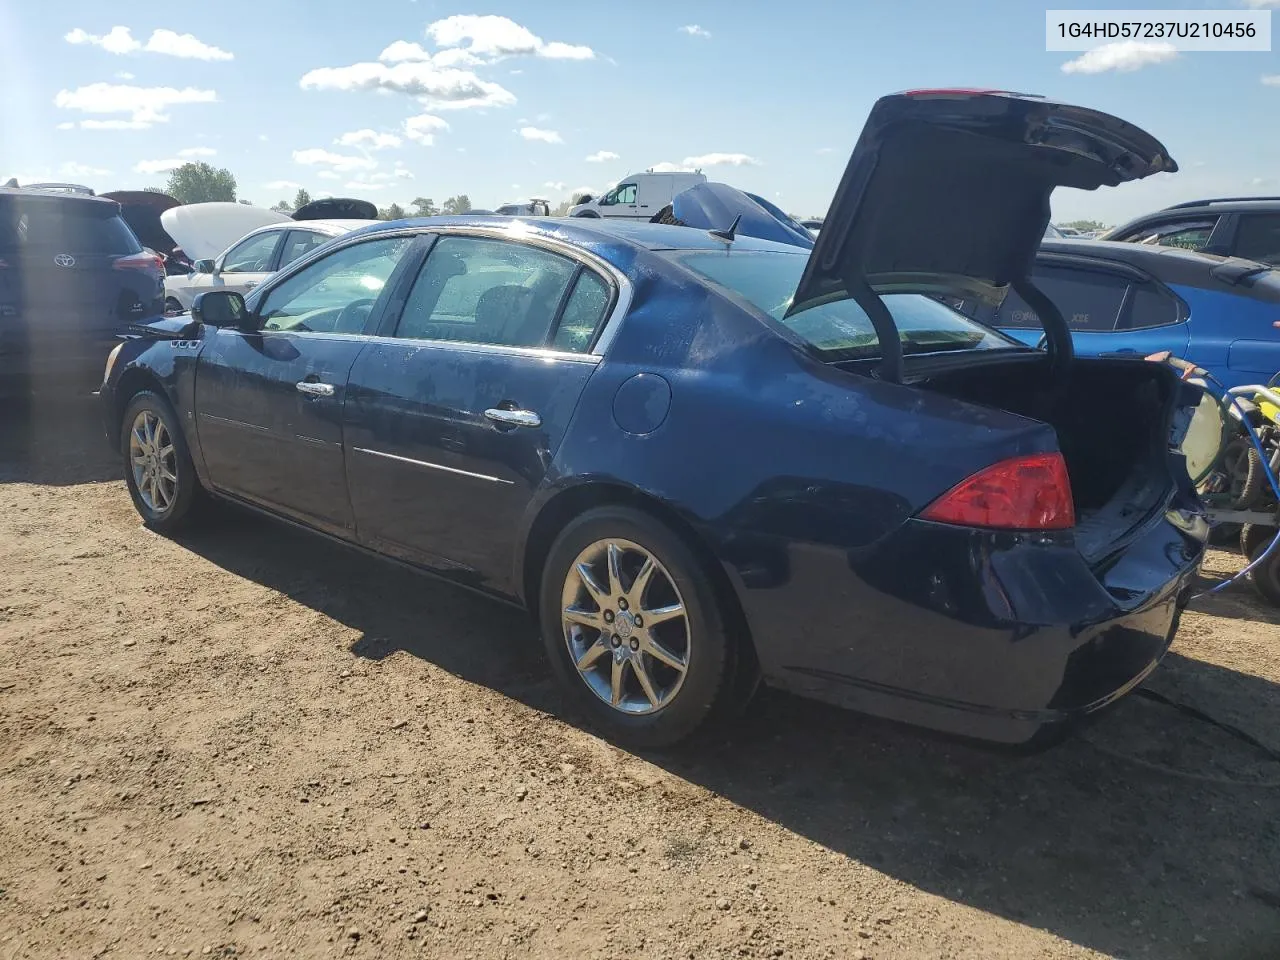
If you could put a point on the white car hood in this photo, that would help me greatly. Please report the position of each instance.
(205, 230)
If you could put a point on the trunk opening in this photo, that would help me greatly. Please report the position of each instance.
(1113, 419)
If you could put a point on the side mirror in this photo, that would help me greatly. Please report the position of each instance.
(205, 266)
(221, 308)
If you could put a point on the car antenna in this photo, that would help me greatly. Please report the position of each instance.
(728, 235)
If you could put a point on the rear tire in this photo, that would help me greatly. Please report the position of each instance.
(1254, 538)
(173, 307)
(601, 629)
(157, 463)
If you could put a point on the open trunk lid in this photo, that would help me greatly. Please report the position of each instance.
(141, 210)
(947, 191)
(336, 208)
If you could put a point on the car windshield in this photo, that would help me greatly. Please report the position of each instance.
(841, 330)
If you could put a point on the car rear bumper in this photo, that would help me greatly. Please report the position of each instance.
(995, 636)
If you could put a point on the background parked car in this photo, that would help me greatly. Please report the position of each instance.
(638, 196)
(255, 256)
(1246, 227)
(72, 276)
(1132, 299)
(531, 208)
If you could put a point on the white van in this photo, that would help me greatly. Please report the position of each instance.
(639, 196)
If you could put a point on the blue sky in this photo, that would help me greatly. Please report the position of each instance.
(768, 97)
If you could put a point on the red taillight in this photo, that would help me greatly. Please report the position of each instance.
(1023, 493)
(140, 261)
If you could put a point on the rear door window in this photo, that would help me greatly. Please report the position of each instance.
(298, 244)
(1150, 305)
(1089, 300)
(1258, 237)
(1186, 234)
(482, 290)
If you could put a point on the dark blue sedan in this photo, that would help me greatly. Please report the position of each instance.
(701, 459)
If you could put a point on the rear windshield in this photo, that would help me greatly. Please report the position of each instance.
(841, 330)
(58, 227)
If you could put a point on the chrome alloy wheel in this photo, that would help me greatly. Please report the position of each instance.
(154, 461)
(626, 626)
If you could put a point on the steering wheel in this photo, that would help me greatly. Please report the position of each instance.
(349, 315)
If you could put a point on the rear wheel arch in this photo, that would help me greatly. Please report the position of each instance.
(573, 502)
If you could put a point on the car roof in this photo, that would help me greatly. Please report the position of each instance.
(1228, 205)
(1170, 265)
(65, 196)
(332, 227)
(596, 234)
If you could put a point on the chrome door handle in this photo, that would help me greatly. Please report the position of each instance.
(313, 389)
(514, 418)
(250, 284)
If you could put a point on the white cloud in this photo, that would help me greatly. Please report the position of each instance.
(693, 30)
(721, 160)
(327, 175)
(1271, 79)
(66, 125)
(403, 50)
(443, 88)
(421, 129)
(120, 40)
(282, 185)
(198, 152)
(362, 185)
(73, 169)
(556, 185)
(143, 104)
(403, 173)
(667, 166)
(579, 191)
(600, 156)
(492, 38)
(368, 138)
(157, 166)
(114, 124)
(184, 45)
(1124, 56)
(124, 75)
(535, 133)
(339, 162)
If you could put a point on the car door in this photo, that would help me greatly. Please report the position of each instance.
(269, 401)
(1110, 310)
(453, 419)
(620, 201)
(249, 262)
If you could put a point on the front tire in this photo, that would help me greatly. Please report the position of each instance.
(634, 630)
(173, 307)
(157, 463)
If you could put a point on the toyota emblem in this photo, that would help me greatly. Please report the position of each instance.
(65, 260)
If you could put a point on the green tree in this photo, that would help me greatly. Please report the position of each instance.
(459, 204)
(201, 183)
(562, 208)
(153, 189)
(301, 199)
(284, 206)
(393, 212)
(425, 207)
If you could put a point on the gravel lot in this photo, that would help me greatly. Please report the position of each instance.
(250, 742)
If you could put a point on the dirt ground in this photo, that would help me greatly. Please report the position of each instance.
(249, 742)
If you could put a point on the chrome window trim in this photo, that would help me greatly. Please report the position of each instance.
(516, 231)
